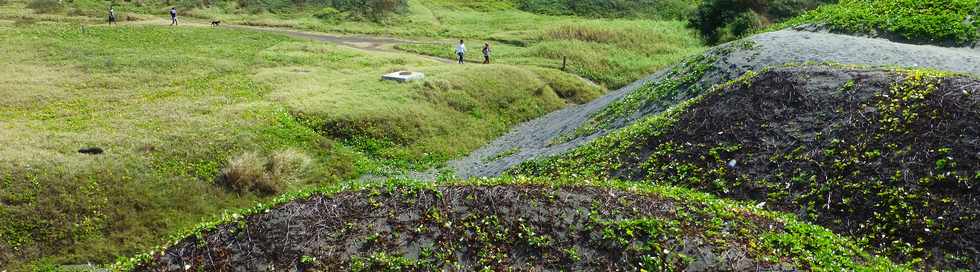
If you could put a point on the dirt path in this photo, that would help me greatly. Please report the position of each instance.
(367, 43)
(534, 139)
(362, 42)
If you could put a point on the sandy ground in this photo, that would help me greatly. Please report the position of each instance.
(775, 48)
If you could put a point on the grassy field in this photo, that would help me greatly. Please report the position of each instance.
(611, 52)
(171, 106)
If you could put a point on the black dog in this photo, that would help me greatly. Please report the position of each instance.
(215, 23)
(90, 151)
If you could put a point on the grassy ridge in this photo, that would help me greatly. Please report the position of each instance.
(934, 21)
(171, 106)
(613, 53)
(610, 52)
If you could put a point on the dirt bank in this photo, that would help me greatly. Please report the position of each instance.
(890, 157)
(522, 227)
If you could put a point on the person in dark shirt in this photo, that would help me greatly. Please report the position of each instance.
(112, 16)
(486, 53)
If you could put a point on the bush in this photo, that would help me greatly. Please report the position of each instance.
(289, 166)
(3, 2)
(651, 9)
(45, 6)
(375, 10)
(327, 13)
(251, 172)
(726, 20)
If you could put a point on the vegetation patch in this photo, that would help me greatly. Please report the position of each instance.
(506, 224)
(727, 20)
(650, 9)
(944, 22)
(681, 82)
(884, 156)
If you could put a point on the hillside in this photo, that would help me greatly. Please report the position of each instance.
(561, 131)
(192, 120)
(844, 139)
(887, 156)
(508, 224)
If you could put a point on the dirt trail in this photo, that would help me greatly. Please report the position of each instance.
(367, 43)
(534, 139)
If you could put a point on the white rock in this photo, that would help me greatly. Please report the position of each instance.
(403, 76)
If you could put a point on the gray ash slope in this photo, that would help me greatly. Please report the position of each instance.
(542, 137)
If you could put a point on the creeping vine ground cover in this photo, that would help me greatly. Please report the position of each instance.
(885, 156)
(595, 222)
(933, 21)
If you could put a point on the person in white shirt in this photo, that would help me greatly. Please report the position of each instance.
(461, 51)
(173, 16)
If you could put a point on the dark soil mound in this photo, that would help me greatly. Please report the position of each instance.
(891, 158)
(569, 128)
(512, 226)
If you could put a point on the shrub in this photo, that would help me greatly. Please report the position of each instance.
(651, 9)
(3, 2)
(289, 166)
(376, 10)
(45, 6)
(247, 173)
(252, 172)
(74, 12)
(726, 20)
(327, 13)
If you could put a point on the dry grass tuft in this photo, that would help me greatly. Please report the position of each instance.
(252, 172)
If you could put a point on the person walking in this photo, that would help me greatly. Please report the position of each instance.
(112, 16)
(486, 53)
(461, 51)
(173, 16)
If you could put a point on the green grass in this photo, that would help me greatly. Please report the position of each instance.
(172, 105)
(926, 21)
(721, 222)
(611, 52)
